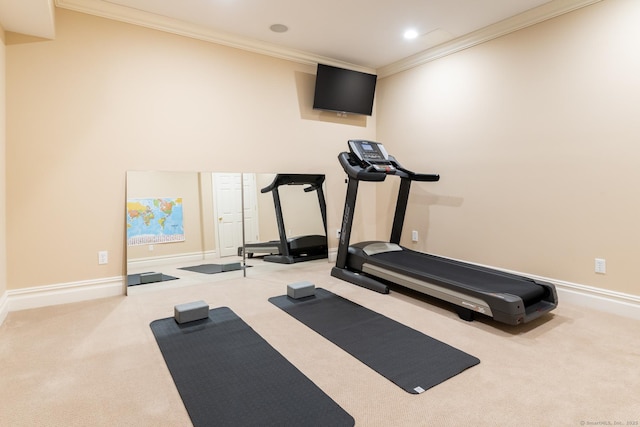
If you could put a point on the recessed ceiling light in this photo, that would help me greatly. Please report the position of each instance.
(410, 34)
(279, 28)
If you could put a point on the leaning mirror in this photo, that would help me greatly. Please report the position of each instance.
(182, 227)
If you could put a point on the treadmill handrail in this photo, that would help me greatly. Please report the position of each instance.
(421, 177)
(294, 179)
(356, 171)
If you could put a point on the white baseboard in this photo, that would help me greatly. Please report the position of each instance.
(152, 262)
(619, 303)
(64, 293)
(4, 307)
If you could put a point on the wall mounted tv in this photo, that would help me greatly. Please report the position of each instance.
(344, 91)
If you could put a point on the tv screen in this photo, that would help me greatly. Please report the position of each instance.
(341, 90)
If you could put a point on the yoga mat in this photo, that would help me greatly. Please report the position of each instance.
(412, 360)
(213, 268)
(134, 279)
(228, 375)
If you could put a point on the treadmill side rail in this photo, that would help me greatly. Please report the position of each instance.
(502, 307)
(458, 298)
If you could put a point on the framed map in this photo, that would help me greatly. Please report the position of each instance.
(154, 220)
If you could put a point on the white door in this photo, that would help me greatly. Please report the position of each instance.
(228, 198)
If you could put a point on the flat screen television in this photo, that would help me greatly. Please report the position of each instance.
(344, 91)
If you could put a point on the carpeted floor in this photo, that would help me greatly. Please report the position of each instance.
(97, 363)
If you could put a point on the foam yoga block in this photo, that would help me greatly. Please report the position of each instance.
(191, 311)
(301, 289)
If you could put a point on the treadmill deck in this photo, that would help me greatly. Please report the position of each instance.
(435, 269)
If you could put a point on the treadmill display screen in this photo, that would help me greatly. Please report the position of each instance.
(368, 151)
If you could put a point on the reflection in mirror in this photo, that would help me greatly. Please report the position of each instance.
(291, 224)
(179, 223)
(184, 226)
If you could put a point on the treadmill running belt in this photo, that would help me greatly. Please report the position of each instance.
(228, 375)
(421, 265)
(413, 361)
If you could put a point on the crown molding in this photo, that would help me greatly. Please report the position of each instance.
(116, 12)
(526, 19)
(120, 13)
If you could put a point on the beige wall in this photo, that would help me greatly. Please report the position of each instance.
(105, 97)
(267, 223)
(301, 211)
(537, 139)
(3, 134)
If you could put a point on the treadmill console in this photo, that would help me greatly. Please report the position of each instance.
(372, 156)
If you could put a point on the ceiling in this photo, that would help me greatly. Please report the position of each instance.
(359, 34)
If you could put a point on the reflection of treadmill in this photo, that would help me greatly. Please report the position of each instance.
(506, 297)
(294, 249)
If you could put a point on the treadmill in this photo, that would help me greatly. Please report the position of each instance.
(471, 289)
(293, 249)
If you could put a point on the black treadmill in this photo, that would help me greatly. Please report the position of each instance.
(293, 249)
(505, 297)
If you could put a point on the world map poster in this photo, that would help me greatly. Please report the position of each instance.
(154, 220)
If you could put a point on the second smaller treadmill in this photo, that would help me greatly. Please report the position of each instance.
(293, 249)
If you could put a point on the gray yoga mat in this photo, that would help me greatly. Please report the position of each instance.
(213, 268)
(412, 360)
(134, 279)
(228, 375)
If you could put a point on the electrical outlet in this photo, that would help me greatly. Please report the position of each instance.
(103, 257)
(601, 266)
(337, 233)
(150, 248)
(414, 236)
